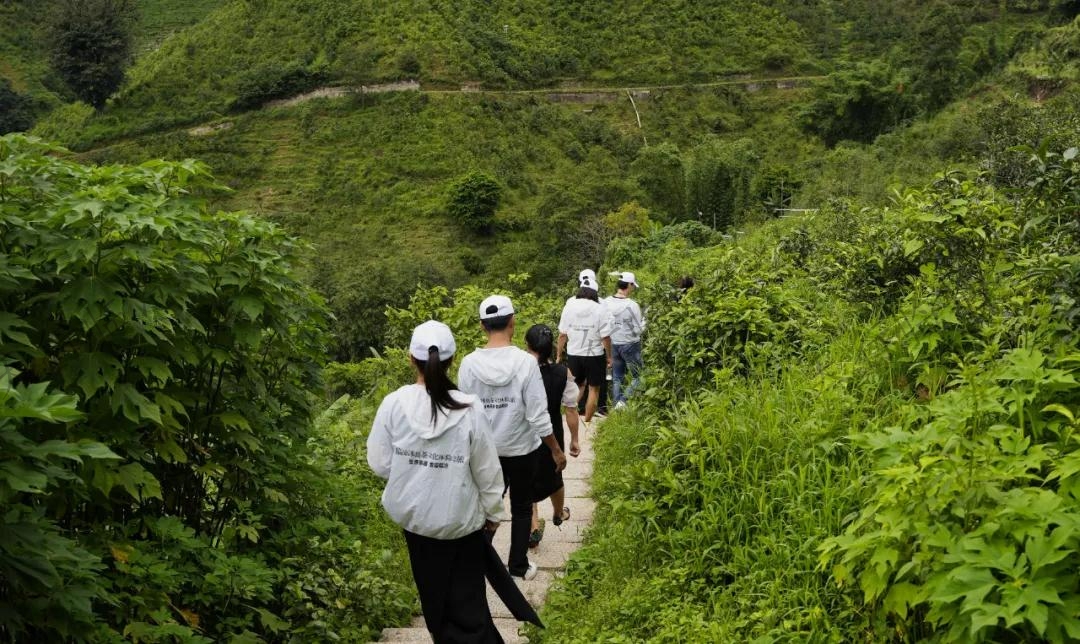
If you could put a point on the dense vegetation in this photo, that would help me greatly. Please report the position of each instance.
(858, 425)
(160, 474)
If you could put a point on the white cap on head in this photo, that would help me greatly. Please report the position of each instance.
(628, 277)
(432, 334)
(587, 279)
(496, 306)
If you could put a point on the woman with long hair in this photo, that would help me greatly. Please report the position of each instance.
(444, 488)
(562, 393)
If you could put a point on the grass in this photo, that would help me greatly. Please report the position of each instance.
(709, 517)
(159, 19)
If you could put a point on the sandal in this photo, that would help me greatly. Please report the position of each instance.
(563, 516)
(536, 535)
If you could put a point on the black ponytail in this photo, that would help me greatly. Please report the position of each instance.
(540, 339)
(588, 293)
(438, 383)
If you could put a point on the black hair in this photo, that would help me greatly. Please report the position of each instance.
(438, 383)
(686, 282)
(540, 339)
(621, 285)
(497, 324)
(586, 293)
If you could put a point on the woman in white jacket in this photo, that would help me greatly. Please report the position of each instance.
(444, 488)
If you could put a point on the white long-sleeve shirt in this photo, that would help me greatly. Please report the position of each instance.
(443, 478)
(508, 382)
(627, 322)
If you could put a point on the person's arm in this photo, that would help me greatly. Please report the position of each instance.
(639, 320)
(486, 470)
(606, 326)
(572, 420)
(536, 413)
(563, 328)
(556, 452)
(380, 451)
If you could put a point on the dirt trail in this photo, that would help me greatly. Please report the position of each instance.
(566, 94)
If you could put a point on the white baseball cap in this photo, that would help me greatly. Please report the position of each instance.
(432, 334)
(628, 277)
(496, 306)
(587, 279)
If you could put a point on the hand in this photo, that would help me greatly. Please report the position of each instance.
(609, 361)
(491, 526)
(560, 460)
(575, 450)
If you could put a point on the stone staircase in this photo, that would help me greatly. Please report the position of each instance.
(550, 556)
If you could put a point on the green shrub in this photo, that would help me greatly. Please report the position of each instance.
(159, 473)
(857, 104)
(473, 200)
(361, 379)
(64, 123)
(969, 528)
(16, 113)
(269, 81)
(91, 44)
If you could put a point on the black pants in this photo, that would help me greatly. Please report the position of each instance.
(518, 473)
(449, 575)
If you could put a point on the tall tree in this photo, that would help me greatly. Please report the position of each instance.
(718, 179)
(660, 173)
(91, 43)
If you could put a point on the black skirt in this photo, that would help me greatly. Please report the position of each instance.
(547, 481)
(449, 575)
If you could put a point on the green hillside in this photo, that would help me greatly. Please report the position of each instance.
(160, 19)
(25, 68)
(366, 178)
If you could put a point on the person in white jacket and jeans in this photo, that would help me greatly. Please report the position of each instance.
(444, 488)
(508, 381)
(627, 326)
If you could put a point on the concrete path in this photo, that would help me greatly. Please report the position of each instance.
(550, 556)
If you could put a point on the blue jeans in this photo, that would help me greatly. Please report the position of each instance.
(625, 357)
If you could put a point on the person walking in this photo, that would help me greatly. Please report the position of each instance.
(561, 393)
(444, 488)
(508, 382)
(585, 337)
(627, 325)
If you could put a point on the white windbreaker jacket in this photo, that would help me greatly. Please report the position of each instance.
(508, 382)
(443, 479)
(627, 322)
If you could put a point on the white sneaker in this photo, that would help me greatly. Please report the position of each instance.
(620, 405)
(530, 574)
